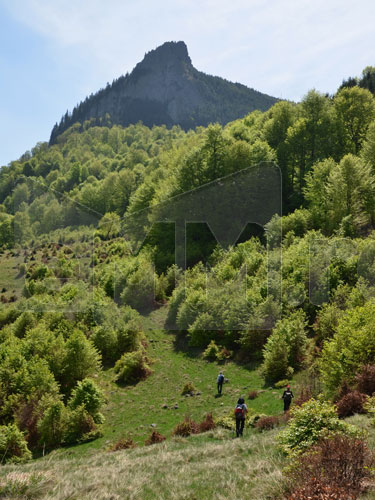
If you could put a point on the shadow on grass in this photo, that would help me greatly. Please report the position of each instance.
(181, 344)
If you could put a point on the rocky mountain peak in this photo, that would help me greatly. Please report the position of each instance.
(169, 52)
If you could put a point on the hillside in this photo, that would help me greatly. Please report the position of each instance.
(99, 337)
(165, 89)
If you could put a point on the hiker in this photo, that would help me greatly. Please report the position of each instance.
(220, 381)
(240, 414)
(287, 397)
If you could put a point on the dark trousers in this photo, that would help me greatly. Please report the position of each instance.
(286, 405)
(240, 424)
(219, 387)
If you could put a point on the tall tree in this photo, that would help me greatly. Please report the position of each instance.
(355, 108)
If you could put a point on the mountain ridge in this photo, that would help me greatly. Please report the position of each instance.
(166, 89)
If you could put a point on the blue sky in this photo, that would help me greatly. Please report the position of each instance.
(53, 53)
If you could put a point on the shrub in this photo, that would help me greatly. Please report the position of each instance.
(122, 444)
(13, 446)
(207, 423)
(23, 323)
(224, 354)
(252, 395)
(186, 428)
(211, 352)
(88, 395)
(266, 423)
(52, 426)
(311, 422)
(188, 389)
(335, 465)
(366, 380)
(104, 339)
(132, 367)
(155, 438)
(81, 360)
(369, 406)
(139, 290)
(80, 426)
(285, 348)
(352, 345)
(350, 404)
(281, 384)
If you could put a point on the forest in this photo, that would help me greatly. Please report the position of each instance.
(83, 292)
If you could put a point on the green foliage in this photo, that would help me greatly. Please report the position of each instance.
(118, 335)
(13, 446)
(81, 360)
(80, 426)
(211, 351)
(311, 422)
(139, 290)
(355, 109)
(281, 384)
(52, 426)
(132, 367)
(88, 395)
(352, 345)
(285, 348)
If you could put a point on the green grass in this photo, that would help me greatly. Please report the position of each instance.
(131, 410)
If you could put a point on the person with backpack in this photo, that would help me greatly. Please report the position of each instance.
(240, 414)
(287, 397)
(220, 381)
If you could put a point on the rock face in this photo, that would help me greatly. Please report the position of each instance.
(166, 89)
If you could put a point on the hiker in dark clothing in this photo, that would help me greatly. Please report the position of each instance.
(240, 414)
(287, 397)
(220, 381)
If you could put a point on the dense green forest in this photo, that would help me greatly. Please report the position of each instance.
(63, 216)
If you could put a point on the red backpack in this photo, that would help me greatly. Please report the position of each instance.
(239, 411)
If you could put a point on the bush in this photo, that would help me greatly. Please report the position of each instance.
(122, 444)
(266, 423)
(80, 426)
(335, 465)
(155, 438)
(311, 422)
(352, 345)
(366, 380)
(281, 384)
(285, 348)
(224, 354)
(139, 291)
(350, 404)
(132, 367)
(13, 446)
(88, 395)
(81, 360)
(211, 352)
(52, 426)
(104, 339)
(207, 423)
(188, 389)
(252, 395)
(186, 428)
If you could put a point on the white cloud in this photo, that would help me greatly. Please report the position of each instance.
(279, 46)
